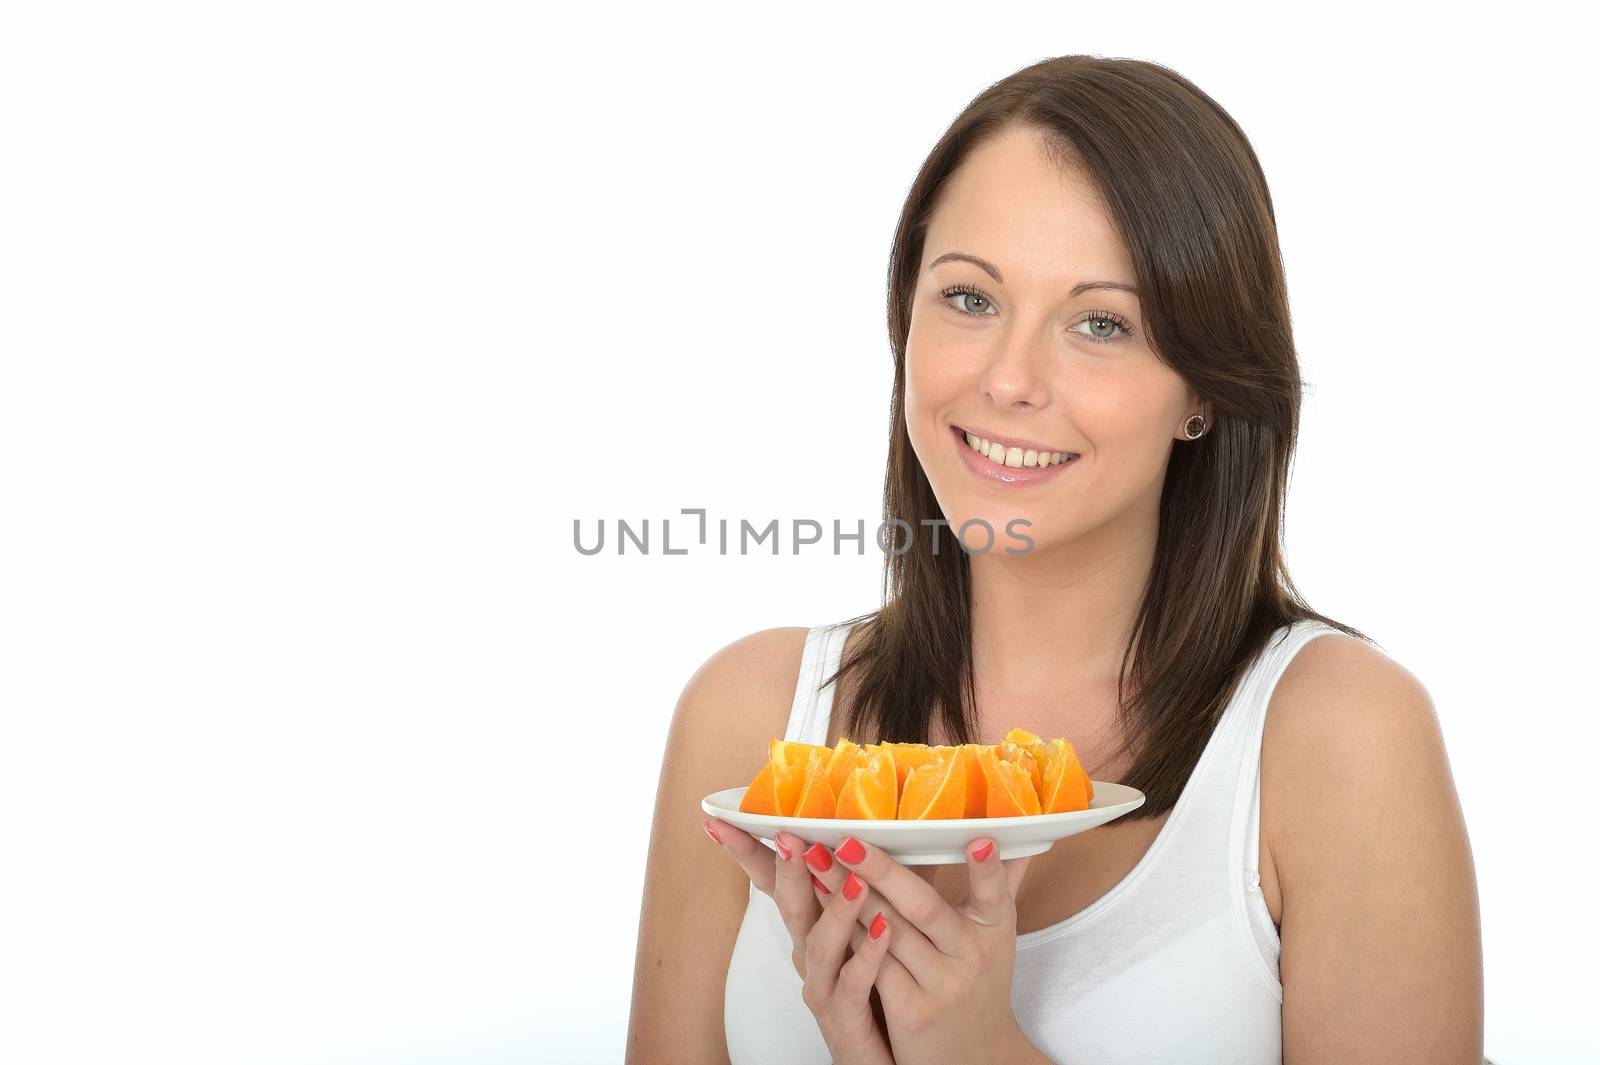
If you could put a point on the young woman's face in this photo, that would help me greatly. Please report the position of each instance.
(1033, 358)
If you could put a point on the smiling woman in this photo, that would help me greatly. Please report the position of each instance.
(1090, 332)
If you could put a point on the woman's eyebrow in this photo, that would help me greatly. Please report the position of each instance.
(994, 272)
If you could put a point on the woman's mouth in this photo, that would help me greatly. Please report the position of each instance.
(999, 464)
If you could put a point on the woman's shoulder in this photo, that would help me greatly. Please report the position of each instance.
(1340, 694)
(740, 696)
(1339, 682)
(1351, 738)
(756, 665)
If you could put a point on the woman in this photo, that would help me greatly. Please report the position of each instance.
(1092, 344)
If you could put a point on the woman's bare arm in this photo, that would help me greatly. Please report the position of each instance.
(694, 895)
(1382, 956)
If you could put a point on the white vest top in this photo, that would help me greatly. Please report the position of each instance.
(1176, 963)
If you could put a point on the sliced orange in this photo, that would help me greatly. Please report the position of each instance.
(977, 784)
(1008, 751)
(1022, 738)
(882, 747)
(908, 756)
(938, 789)
(869, 791)
(1034, 746)
(816, 797)
(1063, 779)
(1009, 787)
(847, 756)
(775, 790)
(1088, 785)
(1020, 776)
(793, 752)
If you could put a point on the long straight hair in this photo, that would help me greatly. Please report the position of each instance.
(1190, 201)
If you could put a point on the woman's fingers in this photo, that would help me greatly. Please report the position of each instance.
(803, 899)
(793, 891)
(838, 981)
(830, 936)
(753, 856)
(830, 876)
(793, 894)
(858, 975)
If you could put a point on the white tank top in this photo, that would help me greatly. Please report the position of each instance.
(1177, 962)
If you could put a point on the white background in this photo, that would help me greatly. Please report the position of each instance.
(323, 322)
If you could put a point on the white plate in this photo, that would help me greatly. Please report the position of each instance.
(935, 842)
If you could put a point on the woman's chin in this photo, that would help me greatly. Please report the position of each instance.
(988, 531)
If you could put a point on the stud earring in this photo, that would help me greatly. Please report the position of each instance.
(1192, 431)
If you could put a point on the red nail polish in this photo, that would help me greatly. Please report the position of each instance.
(706, 824)
(820, 885)
(851, 851)
(783, 851)
(852, 886)
(818, 858)
(983, 852)
(879, 926)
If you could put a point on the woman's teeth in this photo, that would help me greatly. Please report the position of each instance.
(1016, 456)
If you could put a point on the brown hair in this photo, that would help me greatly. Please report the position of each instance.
(1187, 194)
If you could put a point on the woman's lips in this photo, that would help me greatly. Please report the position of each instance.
(1006, 476)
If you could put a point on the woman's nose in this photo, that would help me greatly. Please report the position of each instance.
(1014, 375)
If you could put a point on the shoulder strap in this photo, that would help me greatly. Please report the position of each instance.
(812, 705)
(812, 659)
(822, 710)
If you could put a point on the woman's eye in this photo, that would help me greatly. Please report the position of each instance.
(1103, 329)
(969, 302)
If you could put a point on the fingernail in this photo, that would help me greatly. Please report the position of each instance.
(851, 851)
(852, 886)
(706, 824)
(879, 926)
(783, 852)
(983, 852)
(820, 885)
(817, 857)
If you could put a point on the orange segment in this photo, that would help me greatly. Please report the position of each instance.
(886, 748)
(775, 790)
(1035, 746)
(793, 752)
(869, 791)
(847, 757)
(1088, 785)
(977, 783)
(816, 798)
(908, 756)
(1064, 779)
(937, 789)
(1012, 752)
(1022, 738)
(1009, 787)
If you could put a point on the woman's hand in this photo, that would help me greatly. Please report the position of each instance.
(946, 986)
(823, 923)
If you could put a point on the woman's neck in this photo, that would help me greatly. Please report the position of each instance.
(1049, 630)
